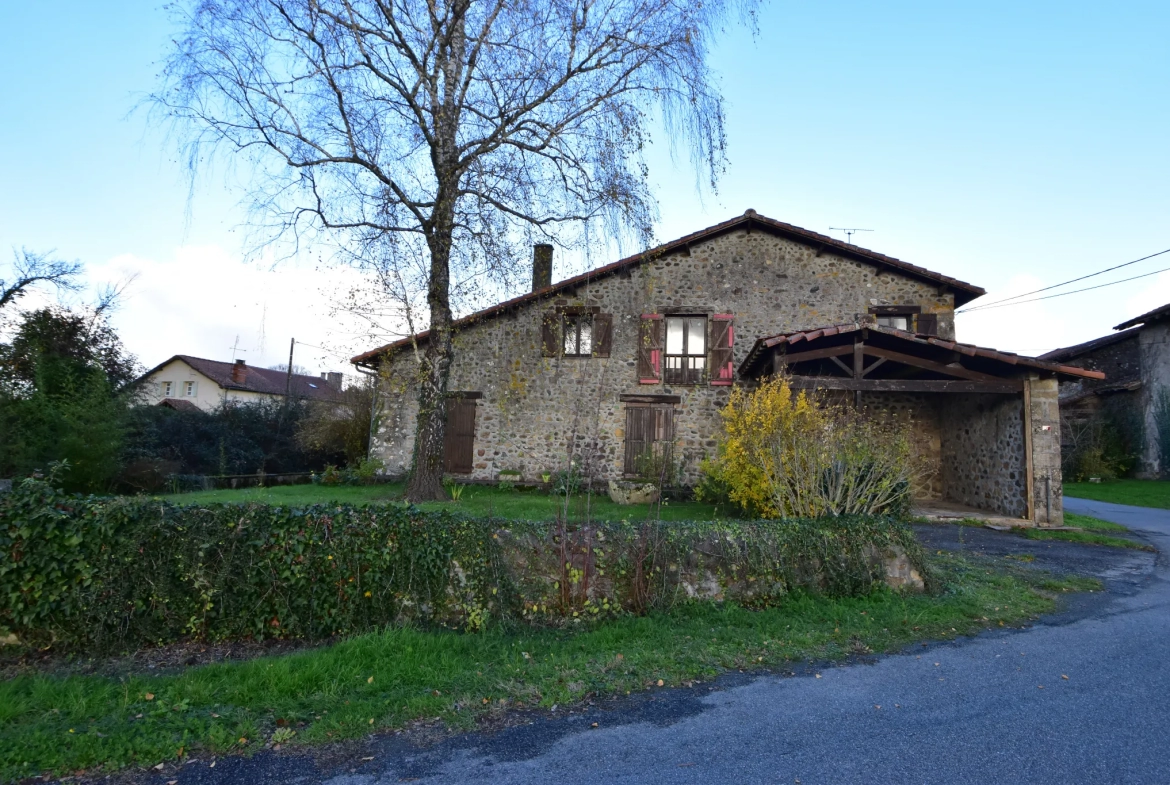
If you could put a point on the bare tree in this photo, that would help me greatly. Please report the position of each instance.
(31, 269)
(456, 129)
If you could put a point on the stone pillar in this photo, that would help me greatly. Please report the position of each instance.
(1043, 417)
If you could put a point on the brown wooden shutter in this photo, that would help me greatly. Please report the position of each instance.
(650, 349)
(638, 424)
(602, 334)
(928, 324)
(722, 343)
(550, 334)
(459, 436)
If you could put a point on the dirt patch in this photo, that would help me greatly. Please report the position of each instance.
(154, 661)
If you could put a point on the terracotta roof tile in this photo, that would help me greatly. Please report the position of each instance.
(969, 350)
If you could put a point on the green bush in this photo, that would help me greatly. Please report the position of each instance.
(107, 574)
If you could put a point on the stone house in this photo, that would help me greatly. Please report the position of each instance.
(638, 357)
(1136, 362)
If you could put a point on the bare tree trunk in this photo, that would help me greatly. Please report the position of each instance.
(426, 475)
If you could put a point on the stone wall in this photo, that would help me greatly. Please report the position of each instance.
(1047, 482)
(982, 451)
(1154, 347)
(921, 414)
(537, 413)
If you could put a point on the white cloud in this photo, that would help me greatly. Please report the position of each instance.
(199, 301)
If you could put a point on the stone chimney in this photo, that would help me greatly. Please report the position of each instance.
(541, 266)
(333, 379)
(239, 372)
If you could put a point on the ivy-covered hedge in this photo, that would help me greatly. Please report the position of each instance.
(106, 574)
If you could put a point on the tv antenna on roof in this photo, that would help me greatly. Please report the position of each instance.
(236, 349)
(848, 232)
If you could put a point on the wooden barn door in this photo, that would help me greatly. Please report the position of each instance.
(459, 437)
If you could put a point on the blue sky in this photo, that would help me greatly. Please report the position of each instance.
(1012, 145)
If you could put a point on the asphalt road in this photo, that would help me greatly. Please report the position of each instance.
(991, 709)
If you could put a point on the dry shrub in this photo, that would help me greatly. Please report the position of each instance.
(786, 455)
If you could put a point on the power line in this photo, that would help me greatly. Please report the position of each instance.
(997, 303)
(1003, 304)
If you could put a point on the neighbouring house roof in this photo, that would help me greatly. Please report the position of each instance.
(256, 380)
(929, 347)
(963, 292)
(179, 405)
(1072, 352)
(1156, 315)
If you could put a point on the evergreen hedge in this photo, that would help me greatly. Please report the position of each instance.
(108, 574)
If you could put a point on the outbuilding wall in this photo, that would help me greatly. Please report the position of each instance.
(984, 464)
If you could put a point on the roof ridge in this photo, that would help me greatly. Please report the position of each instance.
(747, 217)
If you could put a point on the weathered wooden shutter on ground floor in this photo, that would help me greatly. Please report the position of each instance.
(722, 341)
(459, 435)
(649, 430)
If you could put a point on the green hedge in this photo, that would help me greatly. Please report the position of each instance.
(106, 574)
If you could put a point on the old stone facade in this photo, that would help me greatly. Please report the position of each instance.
(538, 413)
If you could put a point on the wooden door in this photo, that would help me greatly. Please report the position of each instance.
(459, 436)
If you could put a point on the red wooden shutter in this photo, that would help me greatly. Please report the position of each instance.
(550, 334)
(722, 343)
(602, 334)
(650, 349)
(927, 324)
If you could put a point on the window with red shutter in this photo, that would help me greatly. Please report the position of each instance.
(722, 349)
(650, 349)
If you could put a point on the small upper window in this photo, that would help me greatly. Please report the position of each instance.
(577, 330)
(168, 389)
(898, 322)
(686, 349)
(189, 389)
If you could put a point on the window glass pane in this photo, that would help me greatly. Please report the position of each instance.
(674, 336)
(897, 322)
(696, 336)
(570, 335)
(586, 329)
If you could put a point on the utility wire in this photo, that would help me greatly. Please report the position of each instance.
(1003, 304)
(997, 303)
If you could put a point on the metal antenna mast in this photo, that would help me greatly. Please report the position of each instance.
(236, 349)
(848, 232)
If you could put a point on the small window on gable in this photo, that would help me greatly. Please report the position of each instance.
(189, 389)
(577, 330)
(168, 389)
(899, 317)
(901, 322)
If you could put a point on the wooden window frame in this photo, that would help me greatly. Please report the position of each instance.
(574, 322)
(662, 410)
(685, 376)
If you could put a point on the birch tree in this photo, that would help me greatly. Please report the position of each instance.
(459, 129)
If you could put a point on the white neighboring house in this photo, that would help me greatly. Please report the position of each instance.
(185, 382)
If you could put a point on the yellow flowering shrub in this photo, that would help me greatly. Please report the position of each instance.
(754, 422)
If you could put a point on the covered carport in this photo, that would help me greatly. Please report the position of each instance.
(987, 423)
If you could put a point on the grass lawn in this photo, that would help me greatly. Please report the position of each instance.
(475, 500)
(384, 680)
(1141, 493)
